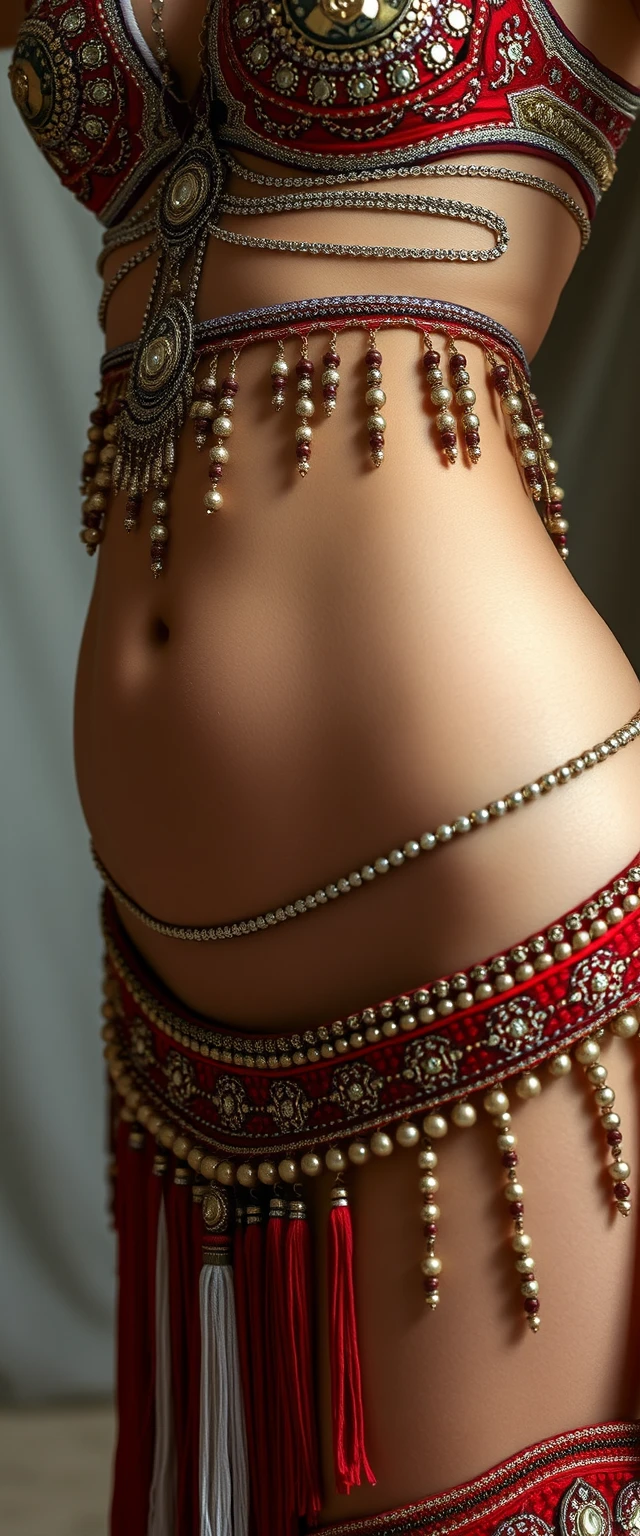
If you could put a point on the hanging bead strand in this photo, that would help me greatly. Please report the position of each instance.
(552, 495)
(441, 396)
(203, 406)
(305, 408)
(466, 398)
(222, 429)
(95, 499)
(496, 1104)
(429, 1185)
(375, 398)
(330, 376)
(279, 377)
(159, 533)
(588, 1054)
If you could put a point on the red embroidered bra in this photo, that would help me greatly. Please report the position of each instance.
(333, 85)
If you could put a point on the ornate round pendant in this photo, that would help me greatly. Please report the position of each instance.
(190, 194)
(161, 366)
(43, 84)
(345, 23)
(628, 1508)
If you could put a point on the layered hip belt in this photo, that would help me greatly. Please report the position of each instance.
(248, 1118)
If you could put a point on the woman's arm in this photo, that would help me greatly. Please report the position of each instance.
(11, 14)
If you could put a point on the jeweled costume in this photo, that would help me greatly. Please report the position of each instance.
(216, 1132)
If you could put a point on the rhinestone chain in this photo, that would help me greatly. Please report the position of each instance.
(445, 833)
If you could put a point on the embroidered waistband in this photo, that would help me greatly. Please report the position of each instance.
(248, 1094)
(574, 1484)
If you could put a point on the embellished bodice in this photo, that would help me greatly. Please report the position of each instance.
(324, 84)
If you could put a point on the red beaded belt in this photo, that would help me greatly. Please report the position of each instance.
(252, 1116)
(585, 1483)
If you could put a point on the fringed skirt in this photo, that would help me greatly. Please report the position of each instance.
(216, 1134)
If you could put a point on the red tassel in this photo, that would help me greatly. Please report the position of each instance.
(283, 1480)
(137, 1207)
(192, 1437)
(181, 1289)
(254, 1278)
(299, 1316)
(349, 1454)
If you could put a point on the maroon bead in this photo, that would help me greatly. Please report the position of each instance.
(509, 1159)
(376, 439)
(304, 368)
(516, 1208)
(92, 519)
(431, 360)
(471, 437)
(500, 373)
(557, 507)
(331, 360)
(157, 550)
(537, 411)
(329, 391)
(430, 1229)
(531, 1305)
(458, 361)
(215, 471)
(303, 450)
(448, 439)
(614, 1138)
(621, 1191)
(373, 358)
(229, 387)
(431, 1283)
(532, 474)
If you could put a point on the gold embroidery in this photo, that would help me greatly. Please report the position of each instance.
(539, 109)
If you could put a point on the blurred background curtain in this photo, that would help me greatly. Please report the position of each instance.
(56, 1255)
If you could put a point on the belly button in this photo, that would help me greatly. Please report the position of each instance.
(159, 631)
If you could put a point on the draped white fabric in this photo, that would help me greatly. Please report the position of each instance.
(56, 1256)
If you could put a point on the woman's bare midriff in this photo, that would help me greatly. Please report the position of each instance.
(326, 669)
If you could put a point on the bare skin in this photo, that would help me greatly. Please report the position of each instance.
(326, 670)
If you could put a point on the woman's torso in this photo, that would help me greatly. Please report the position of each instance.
(324, 671)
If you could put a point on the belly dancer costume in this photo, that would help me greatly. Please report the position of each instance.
(216, 1132)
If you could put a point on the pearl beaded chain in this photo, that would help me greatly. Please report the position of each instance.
(445, 833)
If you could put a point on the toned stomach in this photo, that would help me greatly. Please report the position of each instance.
(326, 669)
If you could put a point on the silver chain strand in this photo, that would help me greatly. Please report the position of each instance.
(441, 169)
(127, 266)
(392, 202)
(446, 833)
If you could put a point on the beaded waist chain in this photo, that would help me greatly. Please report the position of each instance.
(252, 1116)
(151, 389)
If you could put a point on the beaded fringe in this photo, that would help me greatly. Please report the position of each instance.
(211, 409)
(274, 1347)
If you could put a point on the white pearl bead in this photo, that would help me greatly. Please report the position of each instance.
(445, 421)
(381, 1144)
(406, 1134)
(604, 1097)
(427, 1158)
(521, 1242)
(611, 1121)
(376, 422)
(464, 1115)
(305, 407)
(444, 832)
(495, 1102)
(222, 426)
(218, 455)
(525, 1265)
(267, 1173)
(619, 1170)
(597, 1075)
(358, 1152)
(431, 1265)
(440, 395)
(304, 433)
(288, 1170)
(435, 1125)
(513, 1190)
(213, 500)
(396, 858)
(411, 850)
(247, 1175)
(560, 1065)
(587, 1052)
(226, 1173)
(511, 405)
(430, 1211)
(335, 1159)
(429, 1184)
(375, 397)
(389, 1028)
(466, 396)
(507, 1142)
(626, 1026)
(311, 1164)
(528, 1086)
(529, 1288)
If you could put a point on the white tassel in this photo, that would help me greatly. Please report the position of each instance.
(162, 1498)
(224, 1478)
